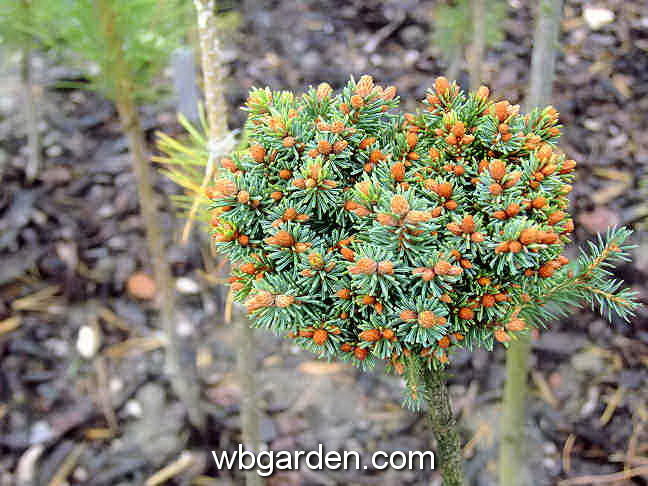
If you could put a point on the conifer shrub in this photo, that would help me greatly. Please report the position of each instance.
(365, 234)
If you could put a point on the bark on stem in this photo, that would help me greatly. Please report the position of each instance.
(444, 426)
(181, 374)
(512, 471)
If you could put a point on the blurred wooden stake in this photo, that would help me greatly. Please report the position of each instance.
(477, 48)
(31, 113)
(512, 457)
(219, 136)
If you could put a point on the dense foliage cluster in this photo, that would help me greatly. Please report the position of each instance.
(367, 234)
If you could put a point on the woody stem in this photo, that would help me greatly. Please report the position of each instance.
(444, 428)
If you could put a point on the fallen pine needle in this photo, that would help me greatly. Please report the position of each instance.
(228, 306)
(98, 433)
(209, 170)
(70, 461)
(566, 452)
(544, 389)
(167, 472)
(203, 481)
(134, 346)
(605, 478)
(103, 391)
(484, 430)
(113, 319)
(10, 324)
(36, 301)
(612, 405)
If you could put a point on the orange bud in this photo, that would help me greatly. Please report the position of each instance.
(496, 189)
(408, 315)
(516, 325)
(501, 110)
(398, 171)
(357, 101)
(339, 146)
(411, 139)
(512, 210)
(360, 353)
(320, 336)
(468, 224)
(500, 335)
(323, 91)
(258, 153)
(441, 85)
(466, 313)
(283, 238)
(488, 300)
(515, 247)
(482, 93)
(497, 169)
(528, 236)
(444, 190)
(344, 294)
(370, 335)
(366, 142)
(539, 202)
(399, 205)
(458, 129)
(386, 268)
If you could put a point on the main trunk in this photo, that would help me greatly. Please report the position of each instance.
(444, 427)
